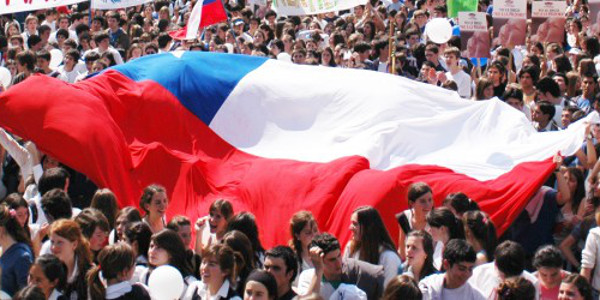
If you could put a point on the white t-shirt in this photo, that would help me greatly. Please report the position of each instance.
(388, 259)
(432, 287)
(463, 81)
(486, 279)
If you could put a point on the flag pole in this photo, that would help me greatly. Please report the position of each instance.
(90, 15)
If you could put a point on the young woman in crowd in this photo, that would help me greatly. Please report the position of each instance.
(154, 203)
(242, 246)
(303, 228)
(211, 229)
(17, 203)
(420, 202)
(71, 247)
(116, 262)
(94, 227)
(443, 227)
(126, 216)
(246, 223)
(459, 203)
(218, 271)
(516, 288)
(575, 287)
(183, 226)
(548, 262)
(419, 255)
(480, 232)
(371, 241)
(402, 287)
(166, 248)
(17, 255)
(105, 201)
(260, 285)
(49, 274)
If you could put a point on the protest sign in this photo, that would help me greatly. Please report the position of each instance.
(14, 6)
(474, 34)
(311, 7)
(548, 21)
(510, 22)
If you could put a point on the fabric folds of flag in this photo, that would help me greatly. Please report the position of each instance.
(276, 138)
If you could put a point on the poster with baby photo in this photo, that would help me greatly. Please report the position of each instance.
(548, 21)
(474, 34)
(510, 22)
(594, 6)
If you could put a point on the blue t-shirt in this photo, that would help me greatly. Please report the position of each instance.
(15, 263)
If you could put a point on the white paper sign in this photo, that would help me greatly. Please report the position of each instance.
(13, 6)
(311, 7)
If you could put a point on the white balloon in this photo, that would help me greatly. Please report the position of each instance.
(165, 283)
(56, 58)
(438, 30)
(5, 77)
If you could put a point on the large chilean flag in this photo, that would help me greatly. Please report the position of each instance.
(276, 138)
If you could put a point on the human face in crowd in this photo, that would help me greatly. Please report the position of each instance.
(62, 247)
(39, 279)
(13, 30)
(326, 57)
(69, 61)
(306, 235)
(439, 234)
(550, 277)
(332, 265)
(104, 44)
(588, 86)
(451, 60)
(488, 92)
(22, 215)
(298, 58)
(211, 272)
(458, 274)
(113, 24)
(355, 227)
(185, 232)
(423, 205)
(276, 266)
(50, 162)
(538, 116)
(120, 224)
(421, 20)
(97, 67)
(157, 256)
(415, 254)
(569, 291)
(526, 80)
(561, 83)
(99, 239)
(259, 38)
(135, 53)
(358, 11)
(217, 222)
(255, 291)
(158, 205)
(565, 118)
(432, 57)
(31, 25)
(516, 103)
(63, 23)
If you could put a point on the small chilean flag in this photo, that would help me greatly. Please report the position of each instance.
(205, 13)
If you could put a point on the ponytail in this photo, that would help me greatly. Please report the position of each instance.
(238, 269)
(97, 289)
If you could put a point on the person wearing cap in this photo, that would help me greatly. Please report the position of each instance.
(238, 28)
(260, 284)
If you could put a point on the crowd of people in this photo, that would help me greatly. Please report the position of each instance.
(62, 238)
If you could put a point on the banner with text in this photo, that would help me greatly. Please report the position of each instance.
(311, 7)
(548, 21)
(115, 4)
(474, 34)
(510, 22)
(14, 6)
(594, 6)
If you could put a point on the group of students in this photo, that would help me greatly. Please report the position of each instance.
(52, 250)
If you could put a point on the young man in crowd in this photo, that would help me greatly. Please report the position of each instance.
(509, 262)
(330, 270)
(281, 262)
(458, 261)
(456, 73)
